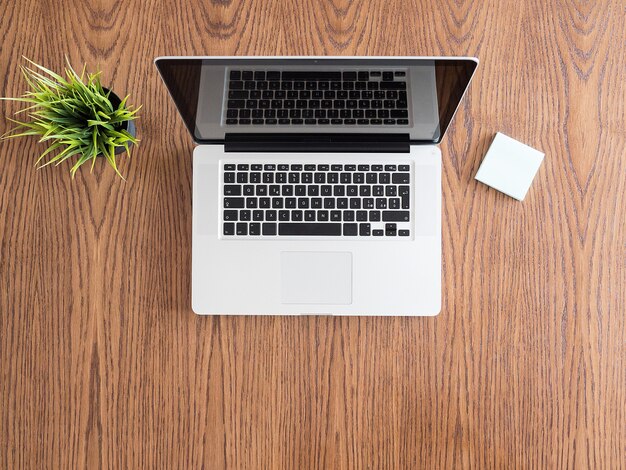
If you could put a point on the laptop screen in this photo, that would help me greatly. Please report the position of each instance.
(415, 97)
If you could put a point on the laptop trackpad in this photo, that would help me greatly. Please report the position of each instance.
(313, 277)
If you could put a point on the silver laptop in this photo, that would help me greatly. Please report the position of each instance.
(316, 180)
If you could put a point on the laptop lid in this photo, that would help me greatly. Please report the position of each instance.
(200, 89)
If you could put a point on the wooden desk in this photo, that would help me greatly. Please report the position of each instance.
(103, 363)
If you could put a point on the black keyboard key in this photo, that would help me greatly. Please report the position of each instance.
(231, 215)
(336, 167)
(378, 233)
(322, 216)
(374, 216)
(335, 216)
(251, 203)
(255, 228)
(403, 167)
(394, 203)
(396, 216)
(235, 75)
(368, 202)
(291, 203)
(229, 228)
(403, 233)
(309, 216)
(296, 216)
(400, 178)
(232, 190)
(349, 76)
(388, 76)
(363, 168)
(348, 216)
(242, 228)
(236, 85)
(393, 85)
(350, 230)
(361, 216)
(398, 113)
(270, 215)
(403, 192)
(269, 229)
(257, 215)
(364, 230)
(390, 230)
(315, 229)
(265, 202)
(245, 215)
(234, 202)
(283, 216)
(237, 95)
(272, 75)
(384, 178)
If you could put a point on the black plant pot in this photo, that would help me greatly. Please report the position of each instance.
(128, 126)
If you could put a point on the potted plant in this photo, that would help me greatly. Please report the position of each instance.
(78, 117)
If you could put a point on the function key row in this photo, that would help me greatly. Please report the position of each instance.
(312, 167)
(387, 75)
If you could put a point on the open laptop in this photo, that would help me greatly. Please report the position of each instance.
(316, 180)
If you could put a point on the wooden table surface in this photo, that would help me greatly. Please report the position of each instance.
(104, 365)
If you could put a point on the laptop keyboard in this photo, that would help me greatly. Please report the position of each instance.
(349, 200)
(324, 98)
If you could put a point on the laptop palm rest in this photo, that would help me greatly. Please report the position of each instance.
(311, 277)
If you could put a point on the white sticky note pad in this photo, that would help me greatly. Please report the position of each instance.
(509, 166)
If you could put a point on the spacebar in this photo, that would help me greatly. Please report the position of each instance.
(310, 229)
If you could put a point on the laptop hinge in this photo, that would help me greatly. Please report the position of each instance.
(360, 143)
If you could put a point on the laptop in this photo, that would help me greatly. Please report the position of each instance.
(316, 180)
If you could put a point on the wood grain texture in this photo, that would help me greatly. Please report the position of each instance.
(103, 364)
